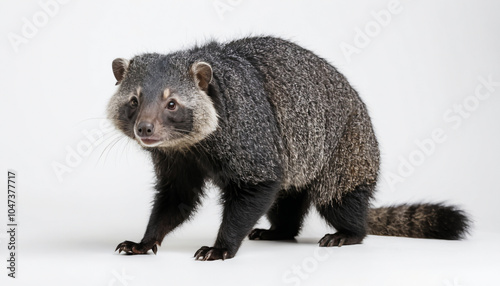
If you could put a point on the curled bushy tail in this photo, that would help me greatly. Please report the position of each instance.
(419, 220)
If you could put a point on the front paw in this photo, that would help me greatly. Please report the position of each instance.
(130, 247)
(339, 239)
(211, 253)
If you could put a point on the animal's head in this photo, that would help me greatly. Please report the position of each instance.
(161, 103)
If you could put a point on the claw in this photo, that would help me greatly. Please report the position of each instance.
(224, 255)
(331, 243)
(208, 255)
(199, 254)
(341, 242)
(255, 234)
(211, 253)
(130, 247)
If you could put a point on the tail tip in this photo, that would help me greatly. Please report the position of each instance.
(453, 223)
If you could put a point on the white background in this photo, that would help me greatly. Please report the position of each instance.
(423, 63)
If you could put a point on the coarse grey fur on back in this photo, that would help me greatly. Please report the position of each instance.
(327, 138)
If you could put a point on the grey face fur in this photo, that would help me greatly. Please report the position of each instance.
(172, 101)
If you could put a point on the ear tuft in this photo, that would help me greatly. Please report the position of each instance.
(202, 74)
(119, 66)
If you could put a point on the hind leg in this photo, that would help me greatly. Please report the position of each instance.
(348, 217)
(286, 216)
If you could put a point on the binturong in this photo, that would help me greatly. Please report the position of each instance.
(277, 129)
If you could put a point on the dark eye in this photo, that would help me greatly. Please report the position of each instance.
(133, 102)
(171, 105)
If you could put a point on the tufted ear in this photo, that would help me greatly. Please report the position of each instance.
(202, 74)
(119, 66)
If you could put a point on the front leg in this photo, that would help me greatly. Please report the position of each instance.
(244, 204)
(170, 209)
(178, 195)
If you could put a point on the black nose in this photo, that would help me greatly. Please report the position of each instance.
(145, 129)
